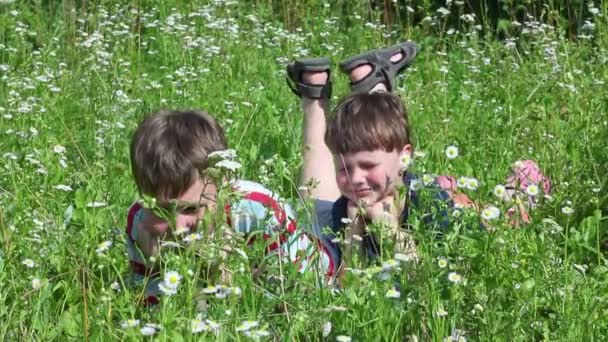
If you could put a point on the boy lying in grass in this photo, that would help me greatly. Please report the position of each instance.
(356, 163)
(175, 157)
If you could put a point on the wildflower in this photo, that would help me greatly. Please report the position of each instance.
(103, 247)
(229, 165)
(427, 179)
(456, 336)
(500, 191)
(490, 213)
(478, 307)
(451, 152)
(228, 154)
(63, 187)
(172, 279)
(441, 312)
(256, 334)
(343, 338)
(197, 325)
(58, 149)
(115, 286)
(236, 291)
(393, 293)
(416, 185)
(389, 265)
(192, 237)
(405, 160)
(532, 190)
(442, 262)
(37, 284)
(130, 323)
(29, 263)
(326, 329)
(346, 220)
(462, 182)
(454, 277)
(96, 204)
(567, 210)
(471, 183)
(210, 290)
(148, 330)
(247, 325)
(181, 230)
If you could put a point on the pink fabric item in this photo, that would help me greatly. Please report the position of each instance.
(447, 183)
(526, 172)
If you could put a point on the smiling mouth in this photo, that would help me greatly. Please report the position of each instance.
(363, 192)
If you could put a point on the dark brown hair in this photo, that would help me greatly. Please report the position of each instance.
(366, 122)
(170, 148)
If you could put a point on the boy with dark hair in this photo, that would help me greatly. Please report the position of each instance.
(171, 152)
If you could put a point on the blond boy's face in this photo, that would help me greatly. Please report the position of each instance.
(191, 206)
(369, 176)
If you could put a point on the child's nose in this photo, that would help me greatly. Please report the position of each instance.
(356, 175)
(186, 221)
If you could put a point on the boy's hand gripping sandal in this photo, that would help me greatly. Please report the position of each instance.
(383, 69)
(295, 83)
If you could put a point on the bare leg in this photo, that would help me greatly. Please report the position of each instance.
(318, 171)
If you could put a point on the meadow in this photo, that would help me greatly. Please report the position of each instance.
(77, 77)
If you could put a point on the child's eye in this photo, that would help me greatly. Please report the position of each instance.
(368, 166)
(189, 210)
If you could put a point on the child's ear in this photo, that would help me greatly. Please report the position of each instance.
(407, 149)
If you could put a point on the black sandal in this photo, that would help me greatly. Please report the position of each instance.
(294, 78)
(383, 69)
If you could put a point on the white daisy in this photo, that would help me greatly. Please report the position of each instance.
(172, 279)
(29, 263)
(567, 210)
(442, 262)
(490, 213)
(197, 325)
(247, 325)
(532, 190)
(343, 338)
(393, 293)
(451, 152)
(130, 323)
(326, 329)
(229, 165)
(37, 284)
(192, 237)
(103, 247)
(500, 191)
(405, 160)
(427, 179)
(454, 277)
(441, 312)
(416, 185)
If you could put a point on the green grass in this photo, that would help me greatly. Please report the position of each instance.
(82, 78)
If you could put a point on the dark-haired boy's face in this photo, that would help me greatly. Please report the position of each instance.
(369, 176)
(190, 207)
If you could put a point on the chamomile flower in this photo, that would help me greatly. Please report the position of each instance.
(567, 210)
(389, 265)
(405, 160)
(229, 165)
(228, 154)
(210, 290)
(247, 325)
(326, 330)
(427, 179)
(441, 312)
(532, 190)
(148, 329)
(343, 338)
(454, 277)
(451, 152)
(130, 323)
(490, 213)
(29, 263)
(462, 182)
(172, 279)
(198, 325)
(346, 220)
(403, 257)
(442, 262)
(500, 191)
(181, 230)
(472, 183)
(192, 237)
(393, 294)
(416, 185)
(103, 247)
(37, 284)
